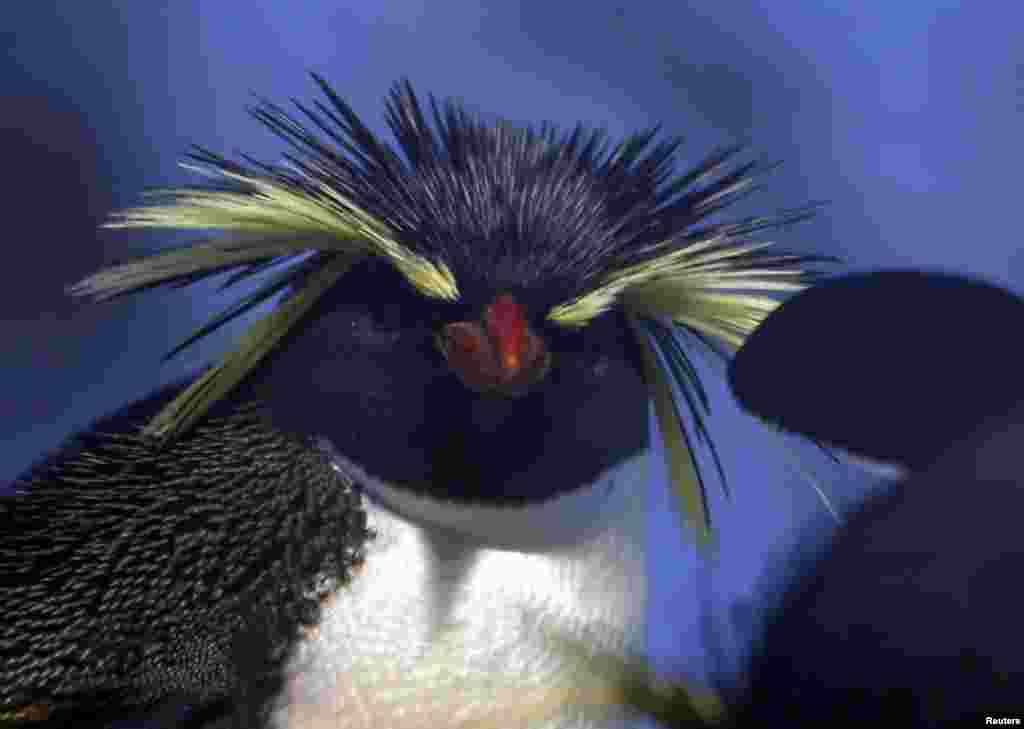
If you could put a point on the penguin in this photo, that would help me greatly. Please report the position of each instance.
(910, 615)
(415, 493)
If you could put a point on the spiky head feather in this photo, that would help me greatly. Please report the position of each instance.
(573, 226)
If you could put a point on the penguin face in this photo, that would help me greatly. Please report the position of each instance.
(367, 373)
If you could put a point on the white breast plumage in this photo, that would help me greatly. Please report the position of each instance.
(442, 629)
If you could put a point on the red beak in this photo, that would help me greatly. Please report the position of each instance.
(499, 354)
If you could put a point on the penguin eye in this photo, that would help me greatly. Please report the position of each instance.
(372, 333)
(375, 311)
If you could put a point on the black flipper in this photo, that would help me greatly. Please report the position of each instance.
(913, 618)
(892, 365)
(135, 577)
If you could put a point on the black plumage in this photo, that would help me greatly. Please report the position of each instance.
(910, 614)
(132, 575)
(901, 363)
(535, 211)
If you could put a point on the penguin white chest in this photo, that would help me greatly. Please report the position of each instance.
(479, 617)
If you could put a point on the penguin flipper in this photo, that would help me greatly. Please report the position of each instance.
(135, 574)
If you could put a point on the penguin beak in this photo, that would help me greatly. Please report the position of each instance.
(499, 354)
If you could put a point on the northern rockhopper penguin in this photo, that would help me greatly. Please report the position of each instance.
(414, 495)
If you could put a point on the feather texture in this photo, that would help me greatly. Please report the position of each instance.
(569, 223)
(133, 575)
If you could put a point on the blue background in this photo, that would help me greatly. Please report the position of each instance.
(906, 116)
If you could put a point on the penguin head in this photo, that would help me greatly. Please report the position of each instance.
(483, 312)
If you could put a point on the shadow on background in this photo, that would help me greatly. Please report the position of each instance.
(74, 146)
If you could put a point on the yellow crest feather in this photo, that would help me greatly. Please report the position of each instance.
(264, 220)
